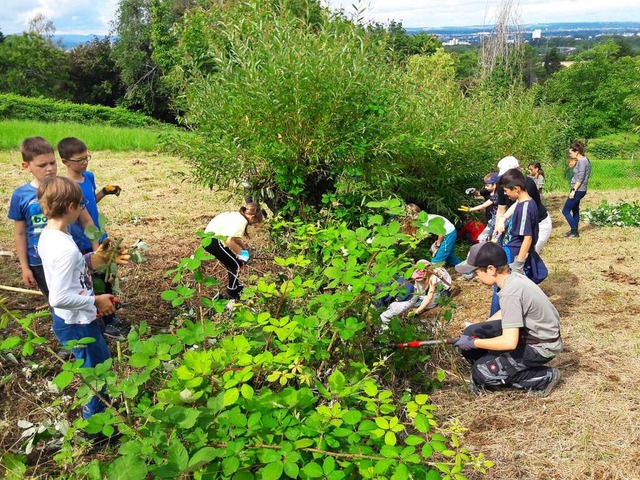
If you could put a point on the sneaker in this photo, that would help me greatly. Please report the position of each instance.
(112, 331)
(467, 276)
(556, 376)
(474, 388)
(100, 440)
(571, 234)
(121, 325)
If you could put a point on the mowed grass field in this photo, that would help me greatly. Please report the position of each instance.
(589, 428)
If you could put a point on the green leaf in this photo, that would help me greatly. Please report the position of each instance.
(169, 295)
(329, 465)
(202, 456)
(421, 423)
(313, 470)
(10, 342)
(178, 456)
(427, 450)
(413, 440)
(230, 465)
(291, 469)
(62, 380)
(127, 468)
(351, 417)
(390, 438)
(271, 471)
(246, 391)
(303, 443)
(230, 396)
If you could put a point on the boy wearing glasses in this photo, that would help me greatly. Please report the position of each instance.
(75, 157)
(512, 348)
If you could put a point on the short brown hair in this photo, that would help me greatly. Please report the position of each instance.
(55, 194)
(70, 146)
(253, 208)
(31, 147)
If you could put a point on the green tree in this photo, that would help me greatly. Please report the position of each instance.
(31, 65)
(595, 91)
(552, 61)
(93, 73)
(132, 52)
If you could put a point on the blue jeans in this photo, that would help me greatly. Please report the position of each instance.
(571, 209)
(92, 353)
(447, 251)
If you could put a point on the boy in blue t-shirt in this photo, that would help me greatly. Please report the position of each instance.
(75, 157)
(38, 158)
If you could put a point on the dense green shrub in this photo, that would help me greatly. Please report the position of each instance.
(306, 108)
(16, 107)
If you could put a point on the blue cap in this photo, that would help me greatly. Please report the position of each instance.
(494, 179)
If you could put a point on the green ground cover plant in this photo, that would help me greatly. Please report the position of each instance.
(620, 214)
(97, 136)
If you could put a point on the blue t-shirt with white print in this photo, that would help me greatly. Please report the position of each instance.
(24, 207)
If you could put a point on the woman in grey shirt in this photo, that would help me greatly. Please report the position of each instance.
(579, 183)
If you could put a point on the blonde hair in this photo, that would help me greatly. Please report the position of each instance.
(55, 194)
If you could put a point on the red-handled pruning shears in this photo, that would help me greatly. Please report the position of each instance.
(116, 303)
(421, 343)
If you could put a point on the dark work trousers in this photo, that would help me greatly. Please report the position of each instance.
(231, 263)
(521, 368)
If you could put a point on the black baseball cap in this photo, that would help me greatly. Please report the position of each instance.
(483, 255)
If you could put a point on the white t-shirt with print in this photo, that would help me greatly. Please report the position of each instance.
(68, 278)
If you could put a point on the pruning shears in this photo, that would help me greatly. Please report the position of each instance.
(421, 343)
(116, 303)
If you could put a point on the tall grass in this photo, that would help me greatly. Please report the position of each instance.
(97, 137)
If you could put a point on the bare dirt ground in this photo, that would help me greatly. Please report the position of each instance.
(589, 428)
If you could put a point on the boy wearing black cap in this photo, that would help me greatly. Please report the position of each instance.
(512, 347)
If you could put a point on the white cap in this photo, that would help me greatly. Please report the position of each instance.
(507, 163)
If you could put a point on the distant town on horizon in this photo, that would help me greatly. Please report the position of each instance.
(473, 33)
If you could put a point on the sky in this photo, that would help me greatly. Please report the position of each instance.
(95, 16)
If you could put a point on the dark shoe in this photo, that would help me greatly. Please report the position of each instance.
(100, 440)
(571, 234)
(474, 388)
(556, 376)
(112, 331)
(123, 326)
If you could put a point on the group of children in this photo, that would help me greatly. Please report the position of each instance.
(522, 332)
(50, 215)
(52, 212)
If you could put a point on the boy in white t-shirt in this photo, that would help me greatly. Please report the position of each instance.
(67, 274)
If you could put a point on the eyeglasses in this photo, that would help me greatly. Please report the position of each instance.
(80, 160)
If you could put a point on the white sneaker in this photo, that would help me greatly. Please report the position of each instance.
(231, 305)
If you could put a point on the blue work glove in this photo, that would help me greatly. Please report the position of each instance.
(465, 342)
(517, 266)
(244, 255)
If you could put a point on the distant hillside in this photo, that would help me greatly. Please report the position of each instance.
(70, 41)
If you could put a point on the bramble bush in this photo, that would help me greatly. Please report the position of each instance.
(289, 384)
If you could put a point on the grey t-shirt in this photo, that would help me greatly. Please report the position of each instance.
(581, 173)
(524, 305)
